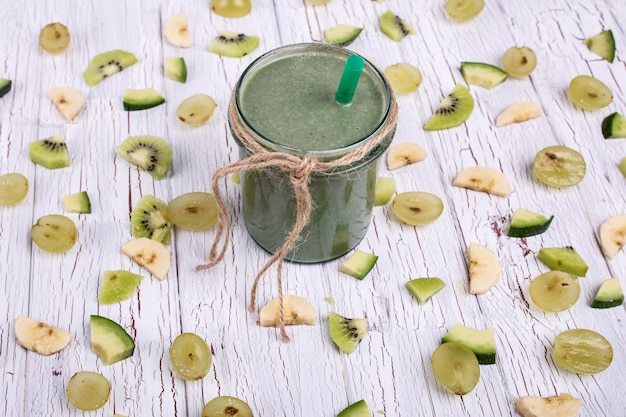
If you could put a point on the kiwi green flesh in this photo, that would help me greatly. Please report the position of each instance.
(564, 259)
(117, 286)
(149, 219)
(342, 35)
(482, 75)
(109, 341)
(106, 64)
(347, 333)
(175, 69)
(455, 109)
(357, 409)
(142, 99)
(603, 45)
(77, 203)
(394, 26)
(234, 45)
(50, 153)
(150, 153)
(5, 86)
(614, 126)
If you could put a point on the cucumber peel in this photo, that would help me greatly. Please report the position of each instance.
(482, 75)
(614, 126)
(610, 294)
(5, 86)
(602, 44)
(359, 264)
(481, 342)
(358, 409)
(525, 223)
(77, 203)
(424, 288)
(109, 340)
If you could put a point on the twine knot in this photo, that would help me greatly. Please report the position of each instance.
(301, 174)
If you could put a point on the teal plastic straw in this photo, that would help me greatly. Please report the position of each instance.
(349, 79)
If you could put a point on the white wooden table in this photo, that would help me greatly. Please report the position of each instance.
(307, 376)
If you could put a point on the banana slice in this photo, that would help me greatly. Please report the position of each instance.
(563, 405)
(485, 269)
(68, 100)
(485, 179)
(40, 337)
(296, 310)
(404, 154)
(613, 235)
(149, 254)
(518, 112)
(176, 30)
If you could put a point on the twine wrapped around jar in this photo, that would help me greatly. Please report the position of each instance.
(299, 170)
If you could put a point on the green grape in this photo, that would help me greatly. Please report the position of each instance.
(88, 390)
(464, 10)
(13, 188)
(193, 211)
(519, 62)
(559, 166)
(456, 367)
(555, 291)
(589, 93)
(231, 8)
(226, 406)
(404, 78)
(417, 208)
(190, 356)
(54, 38)
(582, 351)
(196, 110)
(54, 233)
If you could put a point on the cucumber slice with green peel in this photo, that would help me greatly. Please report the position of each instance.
(359, 264)
(482, 75)
(602, 44)
(109, 340)
(175, 69)
(481, 342)
(614, 126)
(424, 288)
(610, 294)
(77, 203)
(358, 409)
(384, 190)
(5, 86)
(142, 99)
(342, 35)
(622, 166)
(564, 259)
(525, 223)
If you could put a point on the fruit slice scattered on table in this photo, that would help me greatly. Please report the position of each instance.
(359, 264)
(141, 99)
(482, 75)
(559, 166)
(395, 27)
(622, 166)
(345, 332)
(602, 44)
(195, 110)
(193, 211)
(50, 153)
(175, 68)
(417, 208)
(233, 44)
(13, 188)
(519, 62)
(589, 93)
(342, 34)
(564, 259)
(484, 179)
(555, 291)
(150, 153)
(384, 190)
(176, 30)
(517, 113)
(118, 285)
(226, 406)
(54, 233)
(68, 101)
(610, 294)
(77, 203)
(456, 367)
(190, 356)
(614, 126)
(231, 8)
(40, 337)
(481, 342)
(455, 109)
(87, 390)
(109, 341)
(582, 351)
(464, 10)
(613, 235)
(54, 38)
(151, 255)
(357, 409)
(404, 154)
(563, 405)
(106, 64)
(403, 77)
(5, 86)
(525, 223)
(485, 269)
(296, 311)
(150, 219)
(424, 288)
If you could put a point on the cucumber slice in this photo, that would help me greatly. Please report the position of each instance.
(525, 223)
(175, 69)
(141, 99)
(109, 340)
(424, 288)
(614, 126)
(5, 86)
(481, 342)
(602, 44)
(77, 203)
(358, 409)
(384, 190)
(342, 34)
(610, 294)
(564, 259)
(359, 264)
(482, 75)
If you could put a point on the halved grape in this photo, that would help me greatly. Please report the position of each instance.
(456, 367)
(417, 208)
(589, 93)
(196, 110)
(225, 406)
(555, 291)
(190, 356)
(193, 211)
(54, 233)
(231, 8)
(464, 10)
(559, 166)
(54, 38)
(88, 390)
(404, 78)
(519, 62)
(582, 351)
(13, 188)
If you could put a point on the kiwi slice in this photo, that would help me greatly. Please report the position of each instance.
(106, 64)
(347, 333)
(233, 44)
(394, 26)
(342, 34)
(175, 68)
(455, 109)
(118, 286)
(150, 153)
(5, 86)
(564, 259)
(50, 153)
(149, 219)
